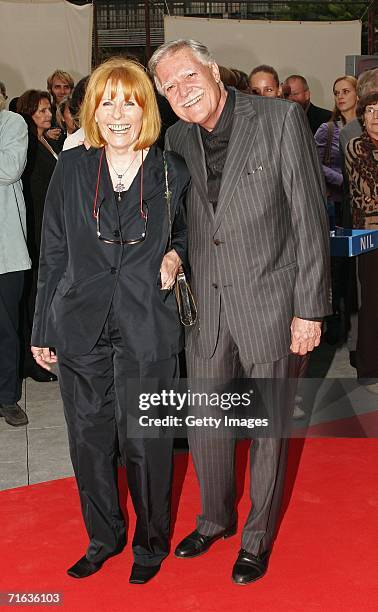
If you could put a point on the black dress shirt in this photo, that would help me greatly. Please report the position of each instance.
(215, 145)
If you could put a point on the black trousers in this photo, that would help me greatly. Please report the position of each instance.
(98, 398)
(11, 286)
(27, 315)
(367, 341)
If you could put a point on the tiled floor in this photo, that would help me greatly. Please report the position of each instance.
(39, 451)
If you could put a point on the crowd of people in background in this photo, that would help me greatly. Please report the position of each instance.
(53, 124)
(98, 280)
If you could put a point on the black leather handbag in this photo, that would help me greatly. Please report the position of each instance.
(185, 301)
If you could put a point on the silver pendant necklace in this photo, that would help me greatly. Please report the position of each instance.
(120, 186)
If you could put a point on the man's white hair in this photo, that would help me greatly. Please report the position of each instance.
(201, 52)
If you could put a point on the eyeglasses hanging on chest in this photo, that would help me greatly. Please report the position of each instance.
(135, 232)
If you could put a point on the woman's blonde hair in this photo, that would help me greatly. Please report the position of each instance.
(135, 83)
(336, 114)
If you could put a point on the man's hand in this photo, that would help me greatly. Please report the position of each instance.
(53, 133)
(169, 268)
(43, 356)
(305, 335)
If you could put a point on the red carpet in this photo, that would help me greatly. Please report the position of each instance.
(360, 426)
(324, 558)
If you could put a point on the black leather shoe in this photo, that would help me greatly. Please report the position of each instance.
(249, 568)
(13, 414)
(140, 574)
(39, 374)
(196, 543)
(84, 568)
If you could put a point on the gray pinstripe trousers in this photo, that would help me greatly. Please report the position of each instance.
(214, 457)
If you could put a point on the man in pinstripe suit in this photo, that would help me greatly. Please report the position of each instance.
(259, 255)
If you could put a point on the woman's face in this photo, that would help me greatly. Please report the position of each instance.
(42, 116)
(264, 84)
(345, 96)
(371, 120)
(119, 120)
(68, 120)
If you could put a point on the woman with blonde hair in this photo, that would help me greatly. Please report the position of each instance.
(327, 142)
(327, 137)
(105, 301)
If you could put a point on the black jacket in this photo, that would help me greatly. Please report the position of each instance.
(35, 179)
(81, 276)
(316, 116)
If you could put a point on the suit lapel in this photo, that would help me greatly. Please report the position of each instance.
(244, 131)
(195, 159)
(105, 187)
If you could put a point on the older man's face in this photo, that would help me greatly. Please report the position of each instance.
(298, 93)
(191, 88)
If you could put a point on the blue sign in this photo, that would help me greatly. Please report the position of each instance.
(349, 243)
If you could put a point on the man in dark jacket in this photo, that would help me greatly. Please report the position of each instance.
(300, 92)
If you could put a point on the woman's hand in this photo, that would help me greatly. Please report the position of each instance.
(169, 268)
(43, 356)
(53, 133)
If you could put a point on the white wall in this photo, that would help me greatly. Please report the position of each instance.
(36, 38)
(316, 50)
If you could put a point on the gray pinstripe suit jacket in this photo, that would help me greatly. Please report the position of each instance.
(265, 251)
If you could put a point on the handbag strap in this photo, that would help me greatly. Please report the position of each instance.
(168, 196)
(328, 147)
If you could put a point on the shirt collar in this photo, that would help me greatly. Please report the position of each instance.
(225, 120)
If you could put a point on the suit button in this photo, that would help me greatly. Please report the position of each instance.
(217, 242)
(214, 285)
(113, 270)
(116, 233)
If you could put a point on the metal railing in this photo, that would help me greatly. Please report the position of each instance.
(124, 23)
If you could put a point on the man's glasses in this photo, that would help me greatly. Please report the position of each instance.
(370, 111)
(138, 229)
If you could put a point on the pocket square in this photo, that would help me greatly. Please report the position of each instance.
(257, 169)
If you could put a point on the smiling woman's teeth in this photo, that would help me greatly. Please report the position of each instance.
(119, 129)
